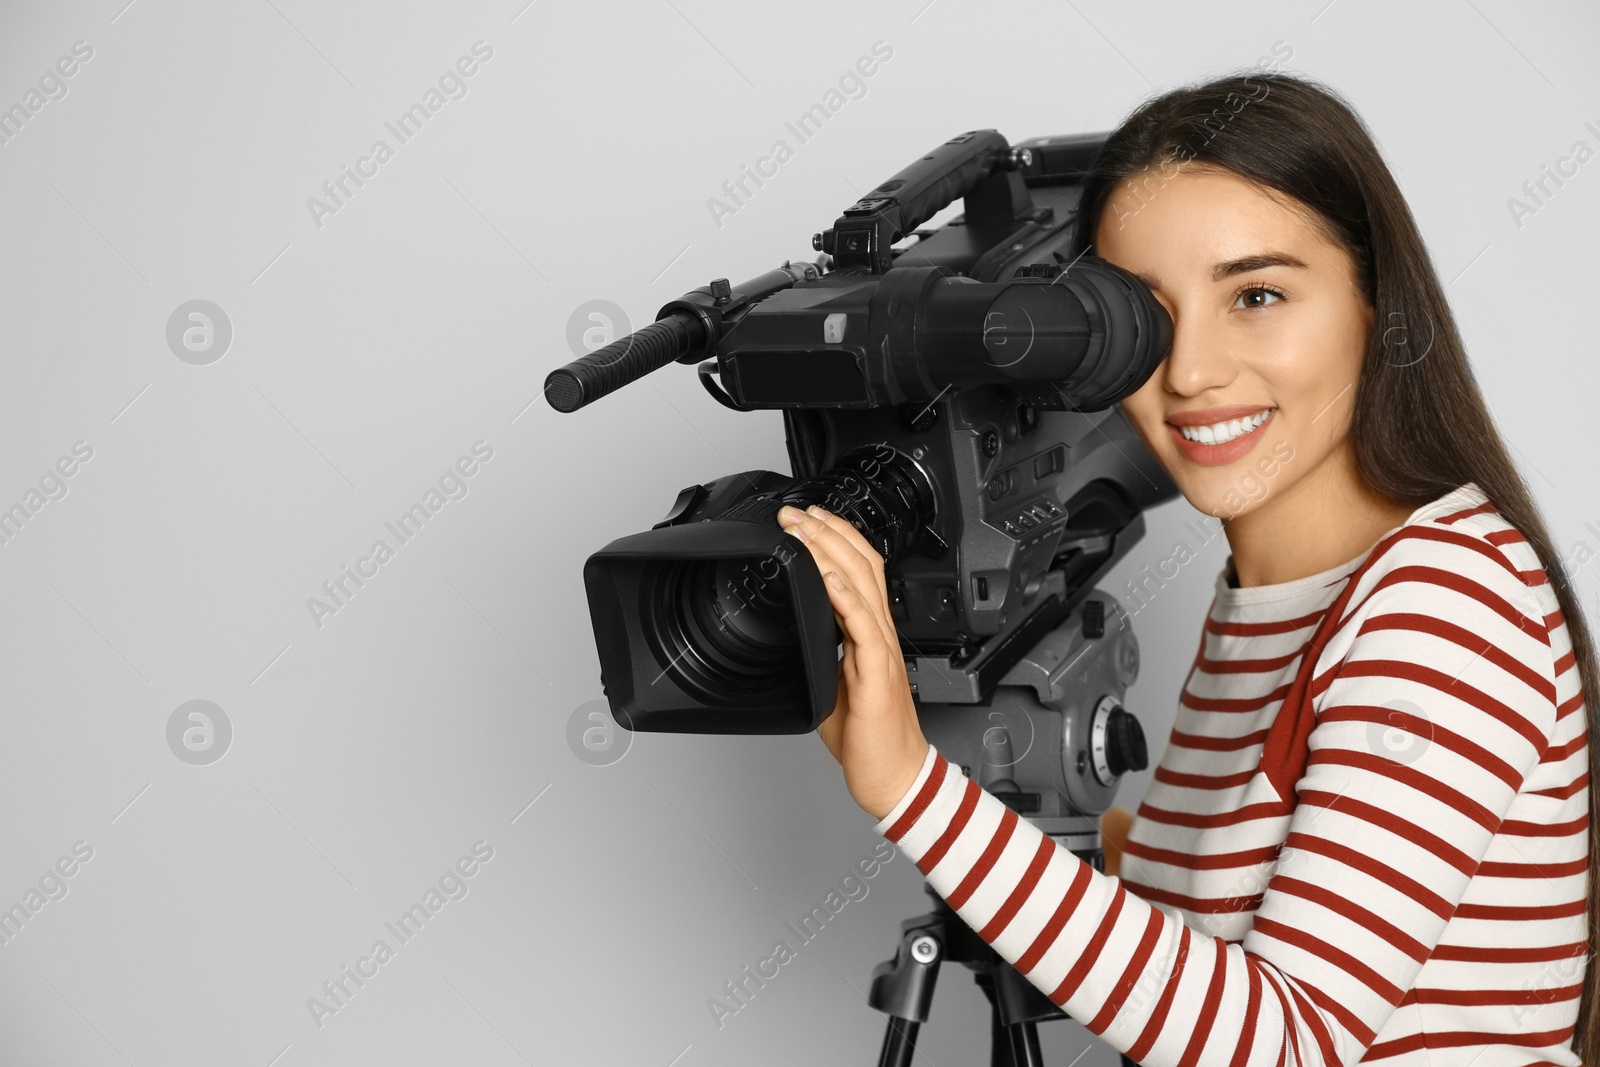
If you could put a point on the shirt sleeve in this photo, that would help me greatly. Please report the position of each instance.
(1434, 699)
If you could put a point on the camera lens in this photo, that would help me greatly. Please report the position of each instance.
(722, 628)
(753, 609)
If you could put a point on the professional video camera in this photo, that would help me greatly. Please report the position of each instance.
(952, 393)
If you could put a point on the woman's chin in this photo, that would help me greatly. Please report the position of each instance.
(1216, 495)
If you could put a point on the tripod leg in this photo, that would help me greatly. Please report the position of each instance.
(999, 1042)
(1024, 1039)
(899, 1042)
(1024, 1045)
(1011, 1044)
(1019, 1007)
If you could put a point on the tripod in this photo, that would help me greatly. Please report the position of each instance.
(903, 988)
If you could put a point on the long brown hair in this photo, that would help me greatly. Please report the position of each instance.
(1421, 427)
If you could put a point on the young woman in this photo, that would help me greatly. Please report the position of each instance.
(1371, 834)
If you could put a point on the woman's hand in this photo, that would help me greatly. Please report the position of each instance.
(873, 730)
(1114, 837)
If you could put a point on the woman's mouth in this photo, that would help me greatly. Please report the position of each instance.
(1222, 442)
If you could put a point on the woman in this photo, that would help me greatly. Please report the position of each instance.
(1371, 834)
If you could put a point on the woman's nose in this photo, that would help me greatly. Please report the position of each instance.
(1199, 358)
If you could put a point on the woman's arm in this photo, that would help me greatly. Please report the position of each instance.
(1377, 856)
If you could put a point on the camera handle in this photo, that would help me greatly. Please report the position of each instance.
(966, 164)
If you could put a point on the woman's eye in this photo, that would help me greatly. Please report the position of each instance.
(1252, 292)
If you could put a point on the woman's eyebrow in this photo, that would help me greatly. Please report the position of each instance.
(1231, 267)
(1257, 261)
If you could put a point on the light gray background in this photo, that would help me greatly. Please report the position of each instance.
(372, 351)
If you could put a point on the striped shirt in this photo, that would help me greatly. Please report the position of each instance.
(1398, 873)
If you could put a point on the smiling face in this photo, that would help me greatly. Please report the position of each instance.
(1266, 316)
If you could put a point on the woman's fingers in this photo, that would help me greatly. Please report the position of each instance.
(832, 526)
(831, 551)
(860, 624)
(876, 611)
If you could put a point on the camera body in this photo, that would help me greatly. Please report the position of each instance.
(950, 392)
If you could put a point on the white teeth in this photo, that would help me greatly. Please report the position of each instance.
(1223, 432)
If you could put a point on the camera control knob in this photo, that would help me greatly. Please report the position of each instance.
(1116, 742)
